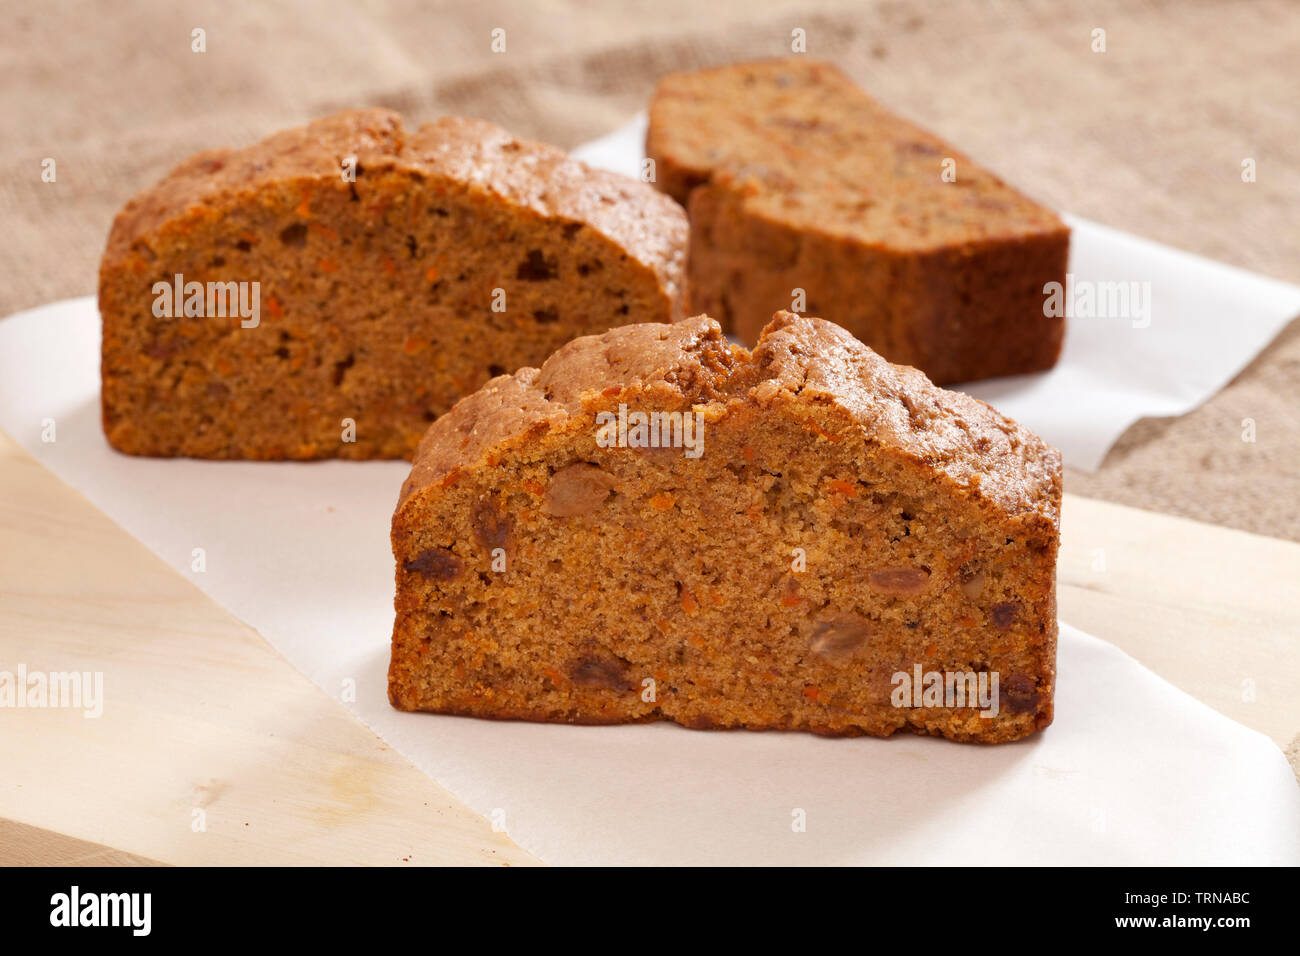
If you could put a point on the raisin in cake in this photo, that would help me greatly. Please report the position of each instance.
(393, 272)
(797, 180)
(832, 523)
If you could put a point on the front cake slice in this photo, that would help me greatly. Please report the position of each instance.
(330, 291)
(660, 525)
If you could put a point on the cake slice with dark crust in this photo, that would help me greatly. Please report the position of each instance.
(799, 185)
(832, 544)
(352, 280)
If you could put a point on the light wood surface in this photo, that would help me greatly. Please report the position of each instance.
(204, 715)
(1216, 612)
(201, 714)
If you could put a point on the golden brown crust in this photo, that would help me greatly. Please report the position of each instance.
(527, 174)
(797, 180)
(978, 451)
(543, 576)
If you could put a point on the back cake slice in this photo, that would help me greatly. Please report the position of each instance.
(805, 193)
(330, 291)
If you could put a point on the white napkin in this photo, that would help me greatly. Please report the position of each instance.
(1190, 325)
(1133, 770)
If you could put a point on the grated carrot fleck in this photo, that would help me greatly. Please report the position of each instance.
(818, 430)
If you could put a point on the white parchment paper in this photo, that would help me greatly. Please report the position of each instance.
(1132, 771)
(1163, 330)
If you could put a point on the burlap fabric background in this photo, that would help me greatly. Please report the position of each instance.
(1148, 136)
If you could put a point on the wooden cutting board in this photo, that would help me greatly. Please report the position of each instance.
(209, 725)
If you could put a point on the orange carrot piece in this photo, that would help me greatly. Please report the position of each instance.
(818, 430)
